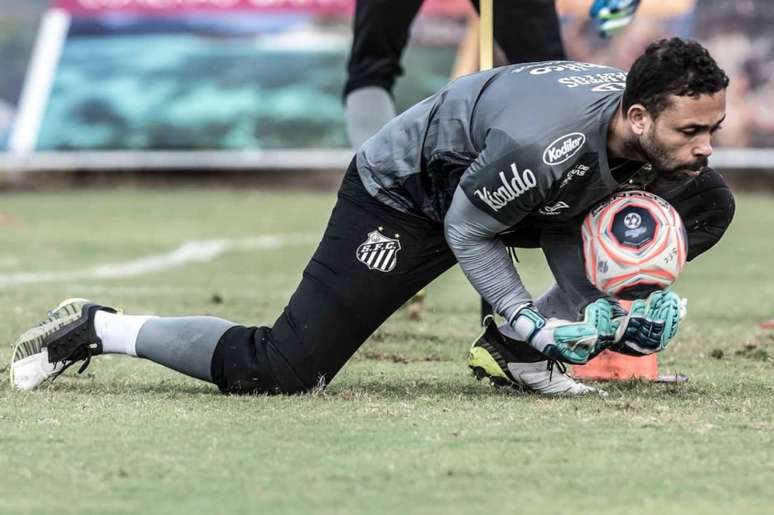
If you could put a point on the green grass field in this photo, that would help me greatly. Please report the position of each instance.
(404, 428)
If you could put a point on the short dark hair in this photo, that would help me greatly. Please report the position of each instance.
(672, 66)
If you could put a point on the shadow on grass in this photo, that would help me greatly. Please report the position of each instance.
(356, 390)
(468, 387)
(651, 389)
(414, 388)
(382, 387)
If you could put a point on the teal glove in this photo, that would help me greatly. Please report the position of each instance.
(560, 340)
(610, 16)
(606, 316)
(650, 324)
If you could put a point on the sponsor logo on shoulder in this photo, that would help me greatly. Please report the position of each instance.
(612, 86)
(563, 148)
(510, 188)
(603, 81)
(557, 66)
(530, 66)
(379, 252)
(560, 66)
(554, 209)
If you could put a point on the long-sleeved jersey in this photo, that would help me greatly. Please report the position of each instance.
(517, 146)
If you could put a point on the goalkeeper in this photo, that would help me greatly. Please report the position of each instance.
(517, 154)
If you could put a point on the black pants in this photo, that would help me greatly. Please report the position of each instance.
(526, 30)
(340, 301)
(370, 261)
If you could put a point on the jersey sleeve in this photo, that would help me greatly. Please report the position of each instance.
(506, 181)
(494, 193)
(472, 236)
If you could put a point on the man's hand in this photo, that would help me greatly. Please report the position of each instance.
(650, 324)
(561, 340)
(610, 16)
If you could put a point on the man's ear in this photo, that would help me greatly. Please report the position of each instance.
(638, 118)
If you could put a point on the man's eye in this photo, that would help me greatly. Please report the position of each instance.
(689, 132)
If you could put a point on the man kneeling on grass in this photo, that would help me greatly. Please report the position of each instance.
(456, 179)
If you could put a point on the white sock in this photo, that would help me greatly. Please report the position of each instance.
(118, 332)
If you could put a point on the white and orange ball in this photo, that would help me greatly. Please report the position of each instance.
(633, 244)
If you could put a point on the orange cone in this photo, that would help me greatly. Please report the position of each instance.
(612, 366)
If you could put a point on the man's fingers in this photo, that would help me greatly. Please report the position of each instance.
(647, 333)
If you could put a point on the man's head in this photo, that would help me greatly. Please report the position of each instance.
(674, 101)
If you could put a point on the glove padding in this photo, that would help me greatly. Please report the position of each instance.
(606, 316)
(610, 16)
(563, 340)
(650, 324)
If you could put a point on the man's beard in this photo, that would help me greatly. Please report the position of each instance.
(658, 157)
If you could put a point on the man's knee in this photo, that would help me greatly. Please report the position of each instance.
(707, 208)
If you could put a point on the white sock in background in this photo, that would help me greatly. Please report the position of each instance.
(366, 111)
(118, 332)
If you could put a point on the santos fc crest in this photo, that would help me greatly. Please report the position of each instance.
(378, 252)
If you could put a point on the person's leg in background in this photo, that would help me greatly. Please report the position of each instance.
(380, 33)
(705, 203)
(527, 30)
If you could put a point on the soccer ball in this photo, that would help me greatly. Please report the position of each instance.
(633, 244)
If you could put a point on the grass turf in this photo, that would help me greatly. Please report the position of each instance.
(404, 427)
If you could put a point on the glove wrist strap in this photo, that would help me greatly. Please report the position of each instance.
(527, 323)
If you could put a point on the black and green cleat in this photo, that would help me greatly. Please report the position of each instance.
(513, 363)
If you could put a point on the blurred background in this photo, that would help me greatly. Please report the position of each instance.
(204, 77)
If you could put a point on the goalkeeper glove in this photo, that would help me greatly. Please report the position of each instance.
(650, 324)
(560, 340)
(610, 16)
(606, 317)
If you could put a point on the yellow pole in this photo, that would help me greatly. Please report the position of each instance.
(467, 54)
(485, 62)
(486, 36)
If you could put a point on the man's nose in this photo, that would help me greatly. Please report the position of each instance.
(704, 147)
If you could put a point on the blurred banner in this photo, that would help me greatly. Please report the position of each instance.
(89, 7)
(180, 74)
(96, 7)
(267, 74)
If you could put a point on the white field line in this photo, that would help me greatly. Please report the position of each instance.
(189, 252)
(76, 289)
